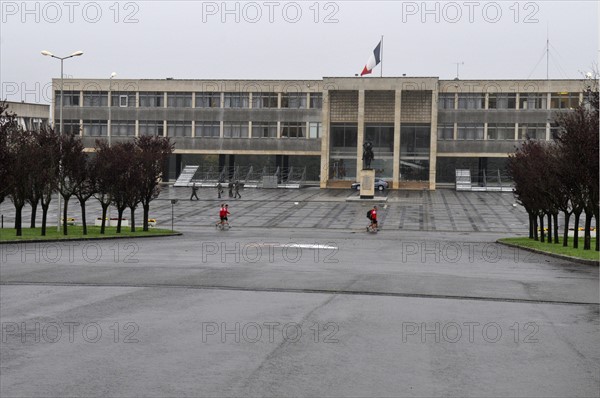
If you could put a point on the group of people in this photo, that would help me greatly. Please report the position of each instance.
(223, 215)
(234, 190)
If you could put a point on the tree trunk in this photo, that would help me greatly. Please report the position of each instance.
(542, 235)
(576, 232)
(535, 228)
(83, 223)
(146, 214)
(597, 240)
(120, 215)
(556, 239)
(549, 228)
(18, 226)
(587, 239)
(65, 208)
(132, 219)
(531, 222)
(44, 217)
(33, 213)
(566, 230)
(103, 225)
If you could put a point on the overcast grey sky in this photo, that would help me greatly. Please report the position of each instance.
(291, 40)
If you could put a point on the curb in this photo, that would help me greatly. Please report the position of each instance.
(12, 242)
(555, 255)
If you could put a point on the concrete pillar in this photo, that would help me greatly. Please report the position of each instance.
(325, 130)
(433, 139)
(397, 128)
(361, 131)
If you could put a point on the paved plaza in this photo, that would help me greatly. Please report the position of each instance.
(298, 300)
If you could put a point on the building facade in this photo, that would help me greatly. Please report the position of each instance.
(422, 129)
(30, 116)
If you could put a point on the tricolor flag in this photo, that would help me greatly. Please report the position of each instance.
(373, 61)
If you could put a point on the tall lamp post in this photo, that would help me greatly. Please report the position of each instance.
(60, 131)
(109, 127)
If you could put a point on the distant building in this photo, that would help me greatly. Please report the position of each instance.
(422, 128)
(30, 116)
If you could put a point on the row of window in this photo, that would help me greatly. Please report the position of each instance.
(184, 100)
(495, 131)
(99, 128)
(508, 101)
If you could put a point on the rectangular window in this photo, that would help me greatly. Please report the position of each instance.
(95, 98)
(235, 130)
(344, 136)
(122, 99)
(151, 100)
(71, 98)
(533, 101)
(445, 131)
(501, 131)
(264, 129)
(151, 127)
(316, 101)
(414, 140)
(564, 100)
(122, 128)
(264, 100)
(314, 129)
(534, 131)
(470, 131)
(208, 129)
(95, 128)
(179, 129)
(471, 101)
(179, 100)
(293, 130)
(382, 138)
(71, 127)
(293, 100)
(208, 100)
(446, 101)
(502, 101)
(236, 100)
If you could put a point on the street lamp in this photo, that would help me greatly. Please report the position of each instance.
(110, 104)
(60, 131)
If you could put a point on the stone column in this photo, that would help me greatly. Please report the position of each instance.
(433, 139)
(397, 128)
(325, 128)
(361, 131)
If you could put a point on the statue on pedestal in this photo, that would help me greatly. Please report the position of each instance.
(368, 155)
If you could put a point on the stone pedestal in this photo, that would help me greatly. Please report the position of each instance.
(367, 184)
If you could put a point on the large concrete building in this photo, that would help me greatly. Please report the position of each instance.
(422, 128)
(30, 116)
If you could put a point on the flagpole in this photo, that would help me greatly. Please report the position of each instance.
(381, 55)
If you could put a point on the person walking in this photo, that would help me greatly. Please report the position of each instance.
(237, 190)
(194, 192)
(230, 189)
(219, 189)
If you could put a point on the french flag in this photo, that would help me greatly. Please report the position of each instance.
(373, 61)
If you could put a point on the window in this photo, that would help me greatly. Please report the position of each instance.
(293, 129)
(470, 131)
(236, 100)
(533, 101)
(151, 100)
(264, 129)
(414, 140)
(235, 130)
(564, 100)
(314, 129)
(446, 101)
(71, 98)
(445, 131)
(293, 100)
(179, 129)
(264, 100)
(208, 129)
(71, 127)
(95, 98)
(122, 99)
(95, 128)
(316, 101)
(470, 101)
(501, 131)
(534, 131)
(381, 136)
(208, 100)
(344, 135)
(179, 100)
(151, 127)
(122, 128)
(502, 101)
